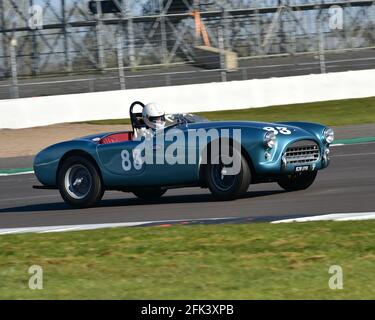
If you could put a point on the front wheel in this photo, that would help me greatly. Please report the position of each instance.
(79, 182)
(224, 185)
(150, 193)
(298, 182)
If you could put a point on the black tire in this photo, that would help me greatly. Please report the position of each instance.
(86, 189)
(150, 193)
(235, 186)
(298, 181)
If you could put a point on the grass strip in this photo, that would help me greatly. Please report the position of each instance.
(245, 261)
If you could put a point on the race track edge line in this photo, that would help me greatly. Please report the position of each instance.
(357, 216)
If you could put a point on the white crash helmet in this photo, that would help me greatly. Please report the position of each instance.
(154, 116)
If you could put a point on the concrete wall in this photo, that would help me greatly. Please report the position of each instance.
(31, 112)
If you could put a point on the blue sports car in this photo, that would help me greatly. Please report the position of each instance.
(188, 151)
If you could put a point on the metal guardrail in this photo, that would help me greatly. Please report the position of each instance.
(154, 78)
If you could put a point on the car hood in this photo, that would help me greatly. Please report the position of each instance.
(297, 128)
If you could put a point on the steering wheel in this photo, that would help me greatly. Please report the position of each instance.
(136, 118)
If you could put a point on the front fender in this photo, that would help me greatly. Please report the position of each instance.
(267, 162)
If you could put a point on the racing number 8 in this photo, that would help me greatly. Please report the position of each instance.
(277, 130)
(126, 163)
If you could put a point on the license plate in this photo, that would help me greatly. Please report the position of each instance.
(302, 169)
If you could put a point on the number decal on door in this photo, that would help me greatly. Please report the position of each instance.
(128, 164)
(277, 130)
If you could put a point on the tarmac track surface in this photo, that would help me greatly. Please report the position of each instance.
(348, 185)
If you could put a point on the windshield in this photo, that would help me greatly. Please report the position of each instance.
(179, 118)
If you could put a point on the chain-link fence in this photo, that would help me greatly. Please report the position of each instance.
(70, 46)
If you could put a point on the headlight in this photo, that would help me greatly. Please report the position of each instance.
(329, 135)
(270, 139)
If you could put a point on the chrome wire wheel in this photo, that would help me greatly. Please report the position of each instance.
(78, 181)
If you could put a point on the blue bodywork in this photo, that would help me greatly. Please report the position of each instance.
(109, 160)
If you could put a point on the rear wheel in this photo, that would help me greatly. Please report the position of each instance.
(224, 185)
(298, 181)
(150, 193)
(79, 182)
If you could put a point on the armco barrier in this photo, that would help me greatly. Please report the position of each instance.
(41, 111)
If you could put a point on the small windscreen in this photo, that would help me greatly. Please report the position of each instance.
(175, 119)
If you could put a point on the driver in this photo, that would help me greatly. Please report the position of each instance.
(154, 118)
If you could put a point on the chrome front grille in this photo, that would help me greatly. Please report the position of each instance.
(303, 152)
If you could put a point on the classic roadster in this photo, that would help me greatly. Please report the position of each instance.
(289, 153)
